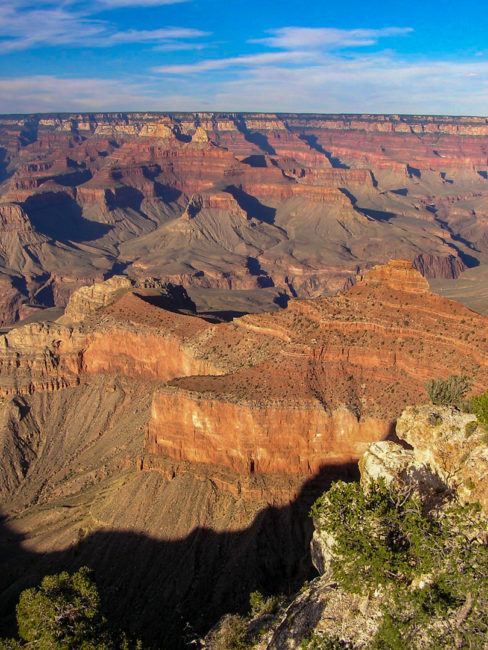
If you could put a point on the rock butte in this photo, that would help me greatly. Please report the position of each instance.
(226, 201)
(287, 392)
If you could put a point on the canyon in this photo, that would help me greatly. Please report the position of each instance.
(207, 318)
(136, 433)
(240, 209)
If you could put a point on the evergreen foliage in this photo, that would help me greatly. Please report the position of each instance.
(325, 642)
(479, 406)
(64, 612)
(431, 567)
(262, 605)
(230, 635)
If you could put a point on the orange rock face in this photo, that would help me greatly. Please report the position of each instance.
(273, 437)
(39, 357)
(137, 425)
(398, 275)
(329, 376)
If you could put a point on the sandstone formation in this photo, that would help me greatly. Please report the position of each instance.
(446, 452)
(235, 202)
(140, 434)
(91, 298)
(281, 393)
(338, 370)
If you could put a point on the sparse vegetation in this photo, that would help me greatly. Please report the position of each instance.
(450, 391)
(230, 634)
(479, 406)
(325, 642)
(261, 606)
(434, 419)
(470, 428)
(235, 632)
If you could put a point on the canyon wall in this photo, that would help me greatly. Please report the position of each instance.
(235, 202)
(287, 392)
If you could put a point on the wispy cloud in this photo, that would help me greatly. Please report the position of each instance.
(180, 46)
(328, 70)
(47, 93)
(168, 36)
(294, 45)
(294, 69)
(23, 26)
(115, 4)
(377, 83)
(371, 83)
(327, 38)
(250, 60)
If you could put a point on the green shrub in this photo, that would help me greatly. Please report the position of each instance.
(322, 641)
(230, 635)
(470, 428)
(445, 392)
(479, 406)
(64, 612)
(260, 605)
(380, 534)
(431, 566)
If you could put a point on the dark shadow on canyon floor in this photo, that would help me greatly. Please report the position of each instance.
(58, 216)
(175, 299)
(251, 206)
(159, 590)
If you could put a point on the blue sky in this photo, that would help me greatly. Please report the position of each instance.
(258, 55)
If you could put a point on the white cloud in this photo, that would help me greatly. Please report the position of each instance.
(179, 46)
(47, 93)
(375, 84)
(379, 83)
(294, 45)
(23, 26)
(169, 36)
(114, 4)
(297, 70)
(327, 38)
(249, 60)
(324, 70)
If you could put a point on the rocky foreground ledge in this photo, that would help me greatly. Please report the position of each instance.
(438, 467)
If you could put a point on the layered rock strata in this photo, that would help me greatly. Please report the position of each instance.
(138, 434)
(287, 392)
(301, 203)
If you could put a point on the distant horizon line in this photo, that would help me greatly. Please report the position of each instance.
(231, 113)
